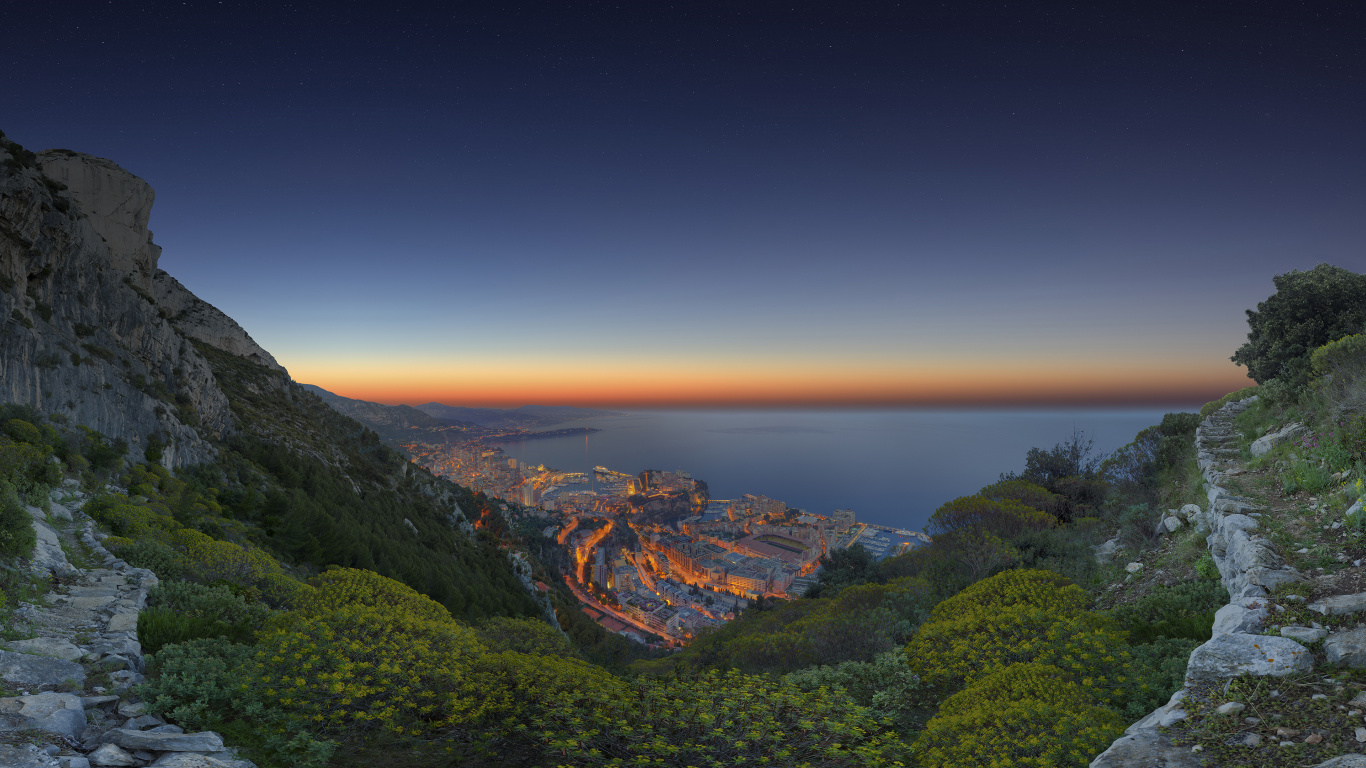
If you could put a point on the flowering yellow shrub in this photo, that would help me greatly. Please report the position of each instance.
(280, 590)
(360, 667)
(1024, 716)
(1042, 682)
(711, 720)
(1015, 617)
(355, 587)
(212, 560)
(1043, 589)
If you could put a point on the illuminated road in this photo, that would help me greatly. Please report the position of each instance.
(592, 602)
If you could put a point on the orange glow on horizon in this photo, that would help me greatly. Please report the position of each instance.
(956, 383)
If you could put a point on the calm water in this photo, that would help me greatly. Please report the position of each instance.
(892, 467)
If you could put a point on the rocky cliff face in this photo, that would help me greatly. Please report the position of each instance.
(90, 328)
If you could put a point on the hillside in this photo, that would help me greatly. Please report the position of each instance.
(207, 546)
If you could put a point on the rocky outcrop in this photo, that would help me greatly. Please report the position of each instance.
(75, 674)
(84, 332)
(198, 319)
(1249, 568)
(1268, 441)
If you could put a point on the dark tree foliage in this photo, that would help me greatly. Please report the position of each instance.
(1308, 309)
(842, 568)
(1136, 469)
(323, 490)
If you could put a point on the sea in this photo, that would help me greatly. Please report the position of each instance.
(891, 467)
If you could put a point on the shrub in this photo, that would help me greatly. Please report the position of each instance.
(500, 634)
(23, 431)
(1232, 397)
(158, 627)
(1037, 588)
(1308, 310)
(280, 590)
(713, 720)
(886, 685)
(1156, 671)
(16, 527)
(156, 557)
(1005, 517)
(1023, 715)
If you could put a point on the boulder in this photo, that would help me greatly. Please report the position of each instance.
(192, 760)
(1340, 604)
(1225, 656)
(1106, 552)
(204, 741)
(59, 713)
(1134, 567)
(1265, 443)
(1346, 648)
(28, 671)
(1344, 761)
(112, 754)
(55, 647)
(18, 757)
(1172, 523)
(1304, 634)
(1191, 511)
(1244, 617)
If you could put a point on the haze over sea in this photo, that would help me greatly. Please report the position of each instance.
(892, 467)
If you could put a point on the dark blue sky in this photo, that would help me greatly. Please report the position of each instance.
(575, 202)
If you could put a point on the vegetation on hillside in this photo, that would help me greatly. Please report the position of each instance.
(321, 604)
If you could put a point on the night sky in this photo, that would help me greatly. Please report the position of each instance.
(732, 202)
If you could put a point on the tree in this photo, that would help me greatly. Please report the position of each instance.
(1308, 309)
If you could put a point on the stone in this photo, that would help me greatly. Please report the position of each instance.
(128, 708)
(73, 761)
(1265, 443)
(112, 754)
(18, 757)
(55, 647)
(143, 722)
(48, 556)
(1340, 604)
(1231, 708)
(1134, 567)
(1106, 552)
(1149, 749)
(89, 702)
(1191, 511)
(1304, 634)
(1173, 523)
(204, 741)
(60, 713)
(1346, 761)
(1244, 617)
(191, 760)
(123, 622)
(1346, 648)
(1225, 656)
(24, 670)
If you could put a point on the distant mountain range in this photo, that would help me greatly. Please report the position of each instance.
(397, 423)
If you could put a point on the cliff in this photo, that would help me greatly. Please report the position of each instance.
(93, 331)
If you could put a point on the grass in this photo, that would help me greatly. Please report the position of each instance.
(1312, 712)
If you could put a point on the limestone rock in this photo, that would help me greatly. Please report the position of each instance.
(1304, 634)
(18, 757)
(1172, 523)
(1340, 604)
(25, 670)
(1265, 443)
(205, 741)
(1346, 648)
(1148, 749)
(1106, 552)
(1191, 511)
(1345, 761)
(191, 760)
(55, 647)
(1245, 617)
(200, 320)
(54, 712)
(1226, 656)
(1134, 567)
(112, 754)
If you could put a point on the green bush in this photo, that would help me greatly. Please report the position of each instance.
(1023, 715)
(158, 627)
(885, 685)
(156, 557)
(1232, 397)
(501, 633)
(17, 537)
(1308, 310)
(1156, 671)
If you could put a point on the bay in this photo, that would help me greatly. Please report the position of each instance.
(892, 467)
